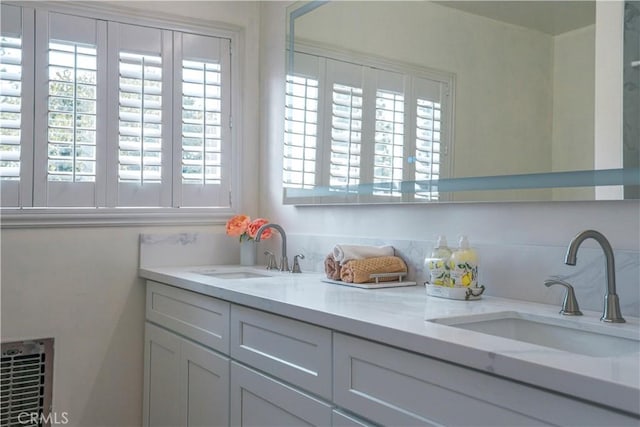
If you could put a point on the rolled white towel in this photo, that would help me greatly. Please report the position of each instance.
(344, 253)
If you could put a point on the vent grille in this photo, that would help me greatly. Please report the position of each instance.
(26, 382)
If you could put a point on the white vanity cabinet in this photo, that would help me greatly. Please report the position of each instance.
(185, 383)
(211, 362)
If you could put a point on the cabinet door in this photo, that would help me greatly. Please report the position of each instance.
(205, 386)
(258, 400)
(185, 384)
(161, 405)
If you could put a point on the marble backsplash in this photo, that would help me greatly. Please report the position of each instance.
(509, 271)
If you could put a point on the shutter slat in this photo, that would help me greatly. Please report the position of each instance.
(14, 76)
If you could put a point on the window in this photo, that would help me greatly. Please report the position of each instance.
(381, 128)
(126, 115)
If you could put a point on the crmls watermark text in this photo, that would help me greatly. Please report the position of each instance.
(53, 418)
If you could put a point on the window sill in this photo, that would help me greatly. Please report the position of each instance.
(110, 217)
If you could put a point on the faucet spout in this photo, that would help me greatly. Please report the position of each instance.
(284, 262)
(611, 302)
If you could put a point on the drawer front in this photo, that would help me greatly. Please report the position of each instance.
(199, 317)
(396, 387)
(258, 400)
(341, 419)
(294, 351)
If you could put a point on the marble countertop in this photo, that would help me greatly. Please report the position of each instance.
(398, 317)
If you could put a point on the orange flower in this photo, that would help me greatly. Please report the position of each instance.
(253, 227)
(237, 225)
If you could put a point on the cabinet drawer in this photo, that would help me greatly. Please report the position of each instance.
(340, 419)
(295, 351)
(258, 400)
(199, 317)
(396, 387)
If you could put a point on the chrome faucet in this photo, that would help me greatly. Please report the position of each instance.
(611, 303)
(284, 262)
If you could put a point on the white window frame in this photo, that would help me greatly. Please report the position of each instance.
(107, 214)
(371, 64)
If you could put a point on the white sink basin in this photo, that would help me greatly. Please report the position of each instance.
(239, 273)
(595, 340)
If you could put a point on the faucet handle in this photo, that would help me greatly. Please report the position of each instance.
(570, 303)
(271, 261)
(296, 264)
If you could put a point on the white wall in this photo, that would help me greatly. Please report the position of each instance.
(80, 285)
(573, 107)
(608, 94)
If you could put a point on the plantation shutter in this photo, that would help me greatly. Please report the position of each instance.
(140, 172)
(70, 135)
(345, 112)
(202, 66)
(428, 106)
(16, 97)
(389, 141)
(301, 130)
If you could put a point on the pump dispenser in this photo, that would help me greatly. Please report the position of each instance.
(464, 265)
(437, 263)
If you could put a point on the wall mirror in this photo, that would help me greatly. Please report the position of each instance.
(431, 101)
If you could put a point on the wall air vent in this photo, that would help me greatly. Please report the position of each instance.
(26, 383)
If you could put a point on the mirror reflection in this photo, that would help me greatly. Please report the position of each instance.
(426, 101)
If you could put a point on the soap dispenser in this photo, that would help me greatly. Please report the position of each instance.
(463, 265)
(437, 264)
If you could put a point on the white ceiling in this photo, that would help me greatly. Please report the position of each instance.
(552, 16)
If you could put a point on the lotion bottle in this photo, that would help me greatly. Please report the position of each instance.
(464, 265)
(437, 263)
